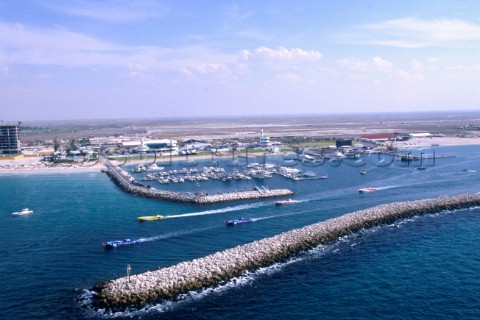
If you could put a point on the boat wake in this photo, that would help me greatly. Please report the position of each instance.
(341, 245)
(291, 213)
(385, 188)
(173, 234)
(216, 211)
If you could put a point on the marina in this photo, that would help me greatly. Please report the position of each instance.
(70, 251)
(127, 183)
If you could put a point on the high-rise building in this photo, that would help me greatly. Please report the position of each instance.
(9, 139)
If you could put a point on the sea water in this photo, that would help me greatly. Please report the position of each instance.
(422, 268)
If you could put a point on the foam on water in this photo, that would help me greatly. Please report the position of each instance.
(216, 211)
(173, 234)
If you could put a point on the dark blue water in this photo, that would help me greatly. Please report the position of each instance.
(423, 268)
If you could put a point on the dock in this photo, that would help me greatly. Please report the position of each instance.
(128, 184)
(166, 283)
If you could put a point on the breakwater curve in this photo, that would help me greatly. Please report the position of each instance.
(167, 283)
(128, 184)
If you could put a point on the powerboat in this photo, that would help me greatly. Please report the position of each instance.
(118, 243)
(151, 218)
(284, 202)
(238, 221)
(24, 211)
(369, 189)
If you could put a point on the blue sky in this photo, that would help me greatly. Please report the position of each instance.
(143, 58)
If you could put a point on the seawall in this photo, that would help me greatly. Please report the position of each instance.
(127, 183)
(169, 282)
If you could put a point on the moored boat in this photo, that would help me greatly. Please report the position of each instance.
(118, 243)
(284, 202)
(369, 189)
(24, 211)
(238, 221)
(151, 218)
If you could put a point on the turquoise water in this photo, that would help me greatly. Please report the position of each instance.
(422, 268)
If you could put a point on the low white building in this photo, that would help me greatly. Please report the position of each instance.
(161, 145)
(420, 135)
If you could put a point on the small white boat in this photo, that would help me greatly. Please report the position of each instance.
(285, 202)
(309, 174)
(370, 189)
(24, 211)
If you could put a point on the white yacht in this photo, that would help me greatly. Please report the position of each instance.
(24, 211)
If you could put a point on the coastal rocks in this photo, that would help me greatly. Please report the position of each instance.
(127, 183)
(167, 283)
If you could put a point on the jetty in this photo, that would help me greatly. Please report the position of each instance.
(127, 183)
(167, 283)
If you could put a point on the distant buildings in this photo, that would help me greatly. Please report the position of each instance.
(264, 141)
(144, 145)
(10, 139)
(378, 137)
(343, 143)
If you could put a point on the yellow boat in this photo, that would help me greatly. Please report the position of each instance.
(151, 218)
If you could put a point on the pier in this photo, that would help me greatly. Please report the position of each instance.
(168, 282)
(127, 183)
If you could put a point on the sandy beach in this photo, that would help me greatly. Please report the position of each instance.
(441, 141)
(36, 165)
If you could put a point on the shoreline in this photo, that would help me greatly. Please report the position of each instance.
(34, 165)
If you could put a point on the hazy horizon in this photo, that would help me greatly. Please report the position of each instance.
(398, 115)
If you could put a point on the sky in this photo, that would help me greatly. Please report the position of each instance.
(79, 59)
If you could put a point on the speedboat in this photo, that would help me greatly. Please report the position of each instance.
(238, 221)
(369, 189)
(24, 211)
(284, 202)
(151, 218)
(118, 243)
(363, 172)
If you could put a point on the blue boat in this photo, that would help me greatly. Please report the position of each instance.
(238, 221)
(118, 243)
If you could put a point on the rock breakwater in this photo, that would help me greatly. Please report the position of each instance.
(169, 282)
(127, 183)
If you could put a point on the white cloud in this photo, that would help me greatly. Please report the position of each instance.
(381, 63)
(290, 77)
(206, 68)
(55, 46)
(415, 33)
(60, 47)
(281, 54)
(416, 64)
(354, 64)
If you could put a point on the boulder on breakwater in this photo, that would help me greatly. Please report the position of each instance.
(128, 184)
(169, 282)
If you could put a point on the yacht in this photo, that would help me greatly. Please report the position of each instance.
(24, 211)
